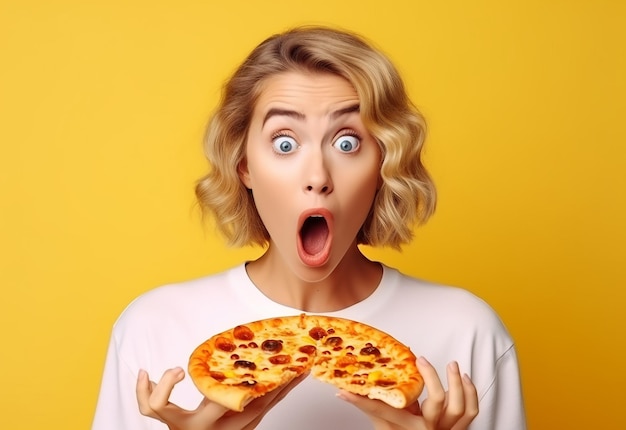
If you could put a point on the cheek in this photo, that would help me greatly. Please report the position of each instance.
(362, 193)
(266, 191)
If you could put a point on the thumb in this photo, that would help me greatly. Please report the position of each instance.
(368, 406)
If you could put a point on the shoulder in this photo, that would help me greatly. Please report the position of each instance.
(178, 303)
(439, 298)
(179, 292)
(448, 310)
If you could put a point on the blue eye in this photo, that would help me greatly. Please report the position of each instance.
(347, 143)
(284, 144)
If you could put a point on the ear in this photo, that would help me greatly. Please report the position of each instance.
(244, 173)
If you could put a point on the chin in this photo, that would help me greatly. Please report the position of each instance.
(312, 274)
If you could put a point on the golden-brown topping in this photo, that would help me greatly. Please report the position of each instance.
(245, 364)
(334, 341)
(370, 350)
(243, 333)
(302, 321)
(346, 360)
(307, 349)
(271, 345)
(317, 333)
(385, 383)
(218, 376)
(322, 360)
(280, 359)
(338, 373)
(224, 344)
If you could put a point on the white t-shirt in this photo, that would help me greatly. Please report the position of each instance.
(161, 328)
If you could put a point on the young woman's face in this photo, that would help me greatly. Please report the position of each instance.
(312, 167)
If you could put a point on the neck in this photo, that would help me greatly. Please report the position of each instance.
(354, 279)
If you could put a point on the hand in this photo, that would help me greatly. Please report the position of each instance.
(153, 400)
(451, 410)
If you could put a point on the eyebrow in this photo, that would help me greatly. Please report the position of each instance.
(300, 116)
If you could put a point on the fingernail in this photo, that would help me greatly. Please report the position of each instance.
(453, 366)
(423, 361)
(347, 396)
(341, 395)
(467, 378)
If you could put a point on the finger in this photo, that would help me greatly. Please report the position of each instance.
(433, 405)
(143, 390)
(414, 408)
(160, 395)
(372, 408)
(154, 402)
(381, 414)
(206, 412)
(454, 406)
(471, 404)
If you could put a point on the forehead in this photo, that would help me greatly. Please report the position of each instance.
(307, 92)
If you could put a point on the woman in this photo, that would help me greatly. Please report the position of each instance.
(314, 149)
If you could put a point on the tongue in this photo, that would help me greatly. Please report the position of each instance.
(314, 234)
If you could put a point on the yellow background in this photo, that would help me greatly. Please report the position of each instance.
(102, 108)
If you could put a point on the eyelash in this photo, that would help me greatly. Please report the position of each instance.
(282, 133)
(348, 132)
(345, 132)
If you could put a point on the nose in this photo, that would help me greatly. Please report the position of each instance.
(317, 175)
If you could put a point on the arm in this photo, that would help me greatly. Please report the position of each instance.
(130, 401)
(117, 406)
(502, 405)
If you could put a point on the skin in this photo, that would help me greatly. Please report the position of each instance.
(308, 152)
(314, 176)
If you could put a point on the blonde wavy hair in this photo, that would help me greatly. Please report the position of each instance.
(407, 194)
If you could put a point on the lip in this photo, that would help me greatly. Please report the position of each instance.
(322, 257)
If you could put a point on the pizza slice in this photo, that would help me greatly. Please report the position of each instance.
(363, 360)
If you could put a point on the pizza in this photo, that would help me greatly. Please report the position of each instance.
(240, 364)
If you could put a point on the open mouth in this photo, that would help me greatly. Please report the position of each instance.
(314, 234)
